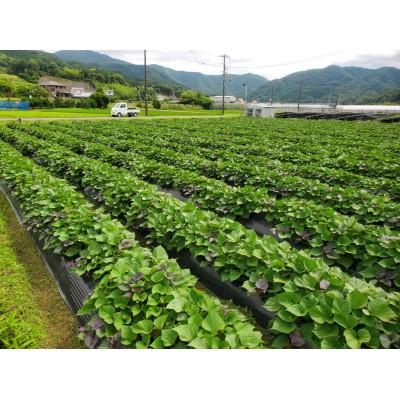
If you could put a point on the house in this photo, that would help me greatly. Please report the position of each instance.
(109, 92)
(66, 89)
(55, 88)
(218, 99)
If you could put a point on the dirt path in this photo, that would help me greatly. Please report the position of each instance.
(61, 326)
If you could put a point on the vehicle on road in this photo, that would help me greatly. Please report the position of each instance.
(122, 110)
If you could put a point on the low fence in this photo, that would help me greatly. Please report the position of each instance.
(14, 105)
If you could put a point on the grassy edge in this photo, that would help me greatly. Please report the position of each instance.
(21, 321)
(35, 313)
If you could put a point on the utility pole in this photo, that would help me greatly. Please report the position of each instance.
(300, 90)
(245, 97)
(337, 97)
(223, 84)
(145, 84)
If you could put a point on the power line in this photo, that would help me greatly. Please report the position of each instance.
(288, 63)
(202, 62)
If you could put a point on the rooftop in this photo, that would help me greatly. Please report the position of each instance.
(51, 83)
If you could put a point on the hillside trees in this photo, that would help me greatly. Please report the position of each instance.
(195, 98)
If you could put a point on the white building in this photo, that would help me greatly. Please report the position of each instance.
(267, 110)
(109, 92)
(80, 92)
(218, 99)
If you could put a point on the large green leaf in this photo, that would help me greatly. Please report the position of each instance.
(213, 322)
(144, 327)
(157, 277)
(177, 304)
(160, 321)
(282, 326)
(356, 339)
(199, 343)
(358, 300)
(347, 321)
(168, 337)
(380, 309)
(127, 335)
(296, 309)
(186, 332)
(106, 313)
(325, 330)
(249, 338)
(341, 306)
(118, 320)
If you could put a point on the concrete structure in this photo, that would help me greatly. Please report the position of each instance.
(80, 92)
(267, 110)
(170, 97)
(239, 100)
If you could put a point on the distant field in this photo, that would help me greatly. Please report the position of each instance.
(93, 113)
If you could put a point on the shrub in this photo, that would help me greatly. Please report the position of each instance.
(100, 98)
(156, 104)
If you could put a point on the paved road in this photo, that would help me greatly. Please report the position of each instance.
(117, 119)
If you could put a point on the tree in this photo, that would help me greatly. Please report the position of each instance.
(205, 102)
(100, 98)
(156, 104)
(195, 98)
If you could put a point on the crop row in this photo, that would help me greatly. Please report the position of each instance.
(368, 208)
(370, 162)
(372, 251)
(313, 302)
(374, 136)
(314, 169)
(239, 154)
(142, 299)
(309, 136)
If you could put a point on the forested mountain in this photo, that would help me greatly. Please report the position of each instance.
(30, 65)
(388, 96)
(20, 71)
(209, 84)
(321, 85)
(354, 84)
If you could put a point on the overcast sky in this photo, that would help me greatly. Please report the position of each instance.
(270, 37)
(275, 38)
(259, 63)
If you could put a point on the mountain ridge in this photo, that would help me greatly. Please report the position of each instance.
(158, 74)
(323, 85)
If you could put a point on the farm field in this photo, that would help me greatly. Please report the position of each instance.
(303, 217)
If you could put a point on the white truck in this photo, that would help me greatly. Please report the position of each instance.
(122, 110)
